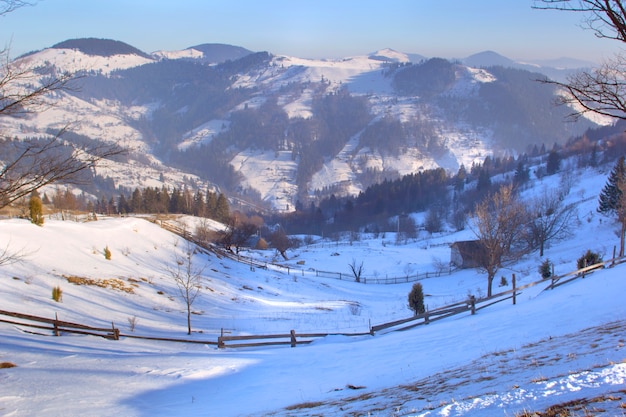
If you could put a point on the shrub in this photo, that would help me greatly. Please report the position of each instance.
(57, 294)
(261, 244)
(132, 323)
(416, 299)
(503, 281)
(107, 253)
(6, 365)
(36, 210)
(545, 269)
(589, 258)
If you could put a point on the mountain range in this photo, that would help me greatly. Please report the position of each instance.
(274, 130)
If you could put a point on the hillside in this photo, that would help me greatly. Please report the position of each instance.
(310, 126)
(552, 347)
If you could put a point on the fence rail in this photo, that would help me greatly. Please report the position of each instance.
(59, 326)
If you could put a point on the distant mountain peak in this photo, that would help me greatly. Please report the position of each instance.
(487, 59)
(389, 55)
(100, 47)
(208, 53)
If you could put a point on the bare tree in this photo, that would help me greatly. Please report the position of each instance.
(8, 257)
(357, 270)
(606, 18)
(7, 6)
(499, 222)
(237, 232)
(187, 276)
(601, 90)
(28, 165)
(549, 218)
(281, 241)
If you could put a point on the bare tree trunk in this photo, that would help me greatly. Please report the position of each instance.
(188, 319)
(621, 238)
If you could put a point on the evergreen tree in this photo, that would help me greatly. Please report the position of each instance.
(608, 202)
(199, 206)
(484, 180)
(554, 162)
(459, 180)
(416, 299)
(612, 199)
(521, 173)
(211, 204)
(222, 209)
(122, 205)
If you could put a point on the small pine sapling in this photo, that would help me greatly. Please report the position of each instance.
(416, 299)
(545, 269)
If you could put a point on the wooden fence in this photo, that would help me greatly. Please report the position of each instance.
(289, 270)
(57, 327)
(469, 306)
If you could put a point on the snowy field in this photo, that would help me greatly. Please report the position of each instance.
(554, 346)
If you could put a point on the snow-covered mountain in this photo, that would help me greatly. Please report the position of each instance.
(281, 129)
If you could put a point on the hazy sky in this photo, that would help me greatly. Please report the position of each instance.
(311, 29)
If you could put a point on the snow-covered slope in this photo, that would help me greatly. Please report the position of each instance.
(73, 60)
(551, 347)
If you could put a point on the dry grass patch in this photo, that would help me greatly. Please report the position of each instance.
(303, 406)
(113, 283)
(587, 407)
(6, 365)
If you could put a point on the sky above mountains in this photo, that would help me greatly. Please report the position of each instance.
(319, 29)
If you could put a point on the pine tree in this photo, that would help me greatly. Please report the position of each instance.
(612, 199)
(608, 202)
(484, 180)
(554, 162)
(522, 173)
(211, 204)
(459, 180)
(222, 209)
(416, 299)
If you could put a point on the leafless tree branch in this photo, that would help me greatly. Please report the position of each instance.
(606, 18)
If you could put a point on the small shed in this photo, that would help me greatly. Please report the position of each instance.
(466, 253)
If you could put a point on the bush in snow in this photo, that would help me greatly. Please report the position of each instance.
(57, 294)
(589, 258)
(107, 253)
(416, 299)
(545, 269)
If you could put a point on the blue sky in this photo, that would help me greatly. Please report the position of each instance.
(312, 29)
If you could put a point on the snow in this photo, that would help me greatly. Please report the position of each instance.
(553, 346)
(270, 173)
(73, 60)
(189, 53)
(203, 134)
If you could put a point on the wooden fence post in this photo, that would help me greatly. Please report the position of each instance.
(614, 249)
(426, 318)
(472, 302)
(293, 338)
(220, 340)
(116, 332)
(514, 290)
(56, 325)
